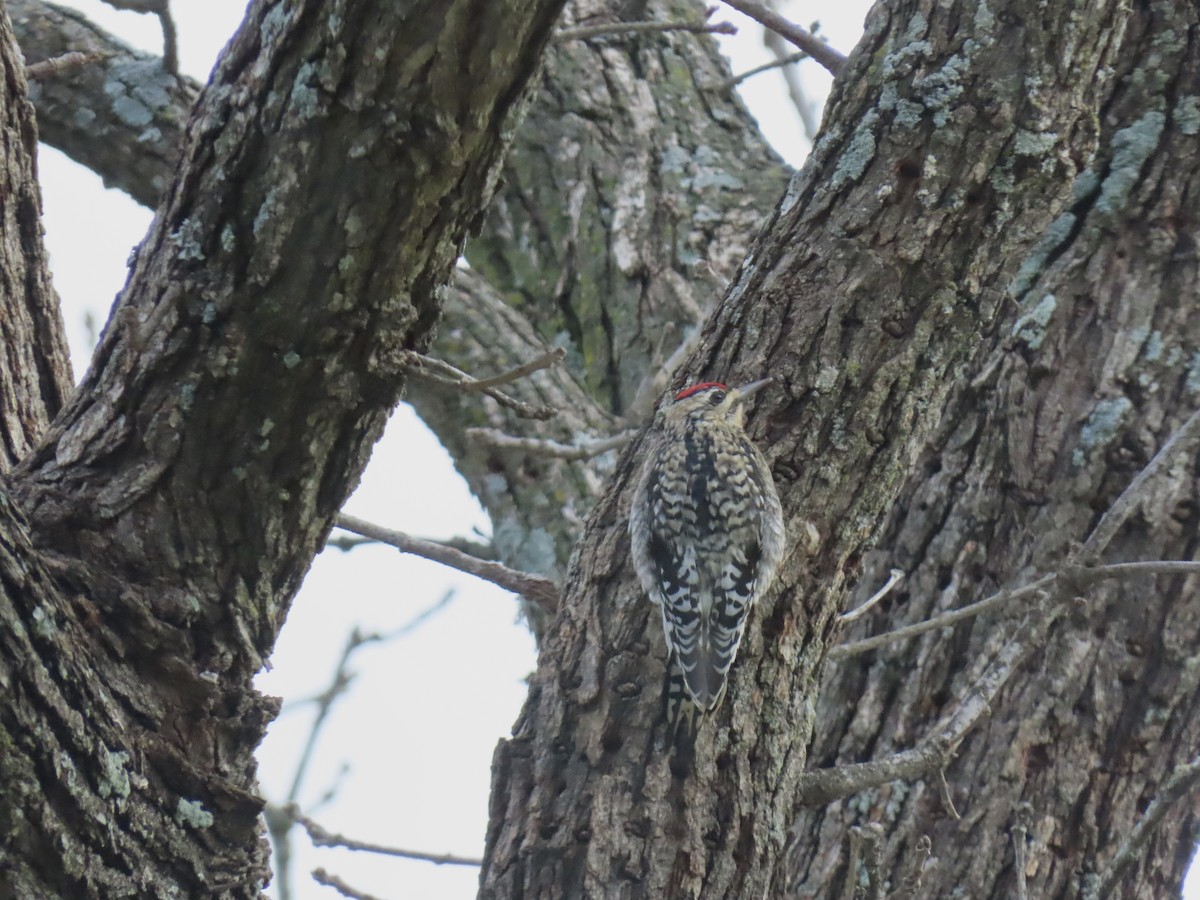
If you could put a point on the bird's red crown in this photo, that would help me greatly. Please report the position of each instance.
(697, 388)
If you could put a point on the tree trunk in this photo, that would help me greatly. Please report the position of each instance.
(169, 512)
(947, 301)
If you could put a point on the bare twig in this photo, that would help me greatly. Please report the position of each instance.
(807, 110)
(911, 883)
(546, 360)
(805, 40)
(789, 60)
(342, 679)
(441, 372)
(936, 751)
(1018, 839)
(170, 41)
(870, 851)
(320, 876)
(322, 838)
(947, 798)
(946, 619)
(583, 32)
(1112, 520)
(57, 65)
(584, 449)
(1071, 576)
(536, 588)
(162, 9)
(1183, 782)
(894, 578)
(481, 549)
(280, 818)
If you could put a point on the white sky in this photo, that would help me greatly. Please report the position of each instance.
(419, 726)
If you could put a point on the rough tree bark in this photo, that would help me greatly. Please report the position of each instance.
(977, 298)
(153, 538)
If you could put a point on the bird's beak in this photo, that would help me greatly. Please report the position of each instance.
(752, 388)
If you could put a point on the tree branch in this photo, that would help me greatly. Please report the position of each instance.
(583, 32)
(442, 372)
(322, 838)
(539, 590)
(805, 40)
(584, 448)
(936, 751)
(1184, 438)
(322, 877)
(1183, 782)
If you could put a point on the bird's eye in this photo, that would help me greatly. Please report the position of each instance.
(716, 398)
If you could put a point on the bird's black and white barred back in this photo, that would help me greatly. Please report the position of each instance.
(707, 533)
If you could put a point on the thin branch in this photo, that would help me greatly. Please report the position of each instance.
(279, 819)
(322, 838)
(1183, 782)
(894, 578)
(584, 449)
(338, 685)
(320, 876)
(162, 9)
(481, 549)
(791, 77)
(550, 358)
(911, 883)
(536, 588)
(935, 752)
(1070, 576)
(341, 680)
(870, 853)
(947, 798)
(1112, 520)
(730, 83)
(1019, 850)
(441, 372)
(805, 40)
(583, 32)
(57, 65)
(170, 40)
(942, 621)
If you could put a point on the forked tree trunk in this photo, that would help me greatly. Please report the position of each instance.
(978, 300)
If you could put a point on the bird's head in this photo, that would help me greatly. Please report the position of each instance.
(713, 400)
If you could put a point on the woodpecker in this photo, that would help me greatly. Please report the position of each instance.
(707, 533)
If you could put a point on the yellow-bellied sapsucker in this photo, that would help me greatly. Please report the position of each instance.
(707, 533)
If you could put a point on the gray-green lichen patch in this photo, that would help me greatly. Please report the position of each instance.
(193, 813)
(858, 154)
(44, 625)
(1034, 143)
(1132, 146)
(187, 240)
(1193, 375)
(273, 23)
(939, 90)
(304, 101)
(1187, 114)
(114, 779)
(1056, 234)
(1101, 427)
(1153, 349)
(1030, 328)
